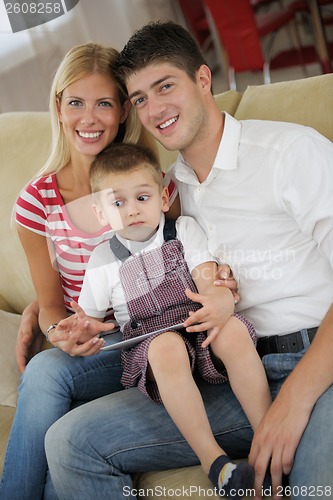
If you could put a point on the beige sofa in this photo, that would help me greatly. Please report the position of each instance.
(24, 143)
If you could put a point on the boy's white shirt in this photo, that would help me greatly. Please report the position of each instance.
(102, 289)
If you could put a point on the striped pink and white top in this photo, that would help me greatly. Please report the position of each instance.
(41, 209)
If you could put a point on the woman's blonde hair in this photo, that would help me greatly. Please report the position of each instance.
(81, 61)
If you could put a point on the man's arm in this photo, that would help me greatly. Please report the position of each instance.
(280, 431)
(305, 181)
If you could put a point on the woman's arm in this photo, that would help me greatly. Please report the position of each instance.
(46, 280)
(30, 337)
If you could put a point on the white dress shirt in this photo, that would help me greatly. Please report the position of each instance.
(267, 210)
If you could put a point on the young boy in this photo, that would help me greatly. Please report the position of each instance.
(149, 273)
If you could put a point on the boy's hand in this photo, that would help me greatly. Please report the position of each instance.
(213, 315)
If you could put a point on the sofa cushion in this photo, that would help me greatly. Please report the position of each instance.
(228, 101)
(24, 143)
(10, 375)
(6, 417)
(298, 101)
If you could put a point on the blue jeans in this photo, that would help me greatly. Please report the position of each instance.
(312, 472)
(52, 384)
(93, 450)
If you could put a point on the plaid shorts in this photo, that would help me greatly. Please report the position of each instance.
(135, 362)
(154, 284)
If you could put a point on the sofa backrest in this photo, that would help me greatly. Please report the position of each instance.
(25, 142)
(24, 145)
(308, 102)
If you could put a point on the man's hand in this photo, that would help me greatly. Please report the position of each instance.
(29, 338)
(225, 277)
(275, 442)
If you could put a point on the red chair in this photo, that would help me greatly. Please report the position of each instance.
(240, 33)
(316, 18)
(197, 22)
(260, 4)
(326, 9)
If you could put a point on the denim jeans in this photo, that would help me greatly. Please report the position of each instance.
(93, 449)
(312, 472)
(52, 384)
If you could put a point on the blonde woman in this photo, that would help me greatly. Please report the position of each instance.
(89, 110)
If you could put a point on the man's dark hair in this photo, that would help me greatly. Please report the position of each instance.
(160, 42)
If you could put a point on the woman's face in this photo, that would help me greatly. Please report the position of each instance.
(90, 112)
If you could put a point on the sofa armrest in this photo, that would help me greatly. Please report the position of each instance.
(4, 306)
(10, 375)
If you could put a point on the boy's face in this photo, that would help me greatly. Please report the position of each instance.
(132, 203)
(169, 104)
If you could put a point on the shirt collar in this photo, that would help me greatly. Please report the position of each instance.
(227, 154)
(154, 241)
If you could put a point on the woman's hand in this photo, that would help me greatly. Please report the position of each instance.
(78, 335)
(225, 277)
(29, 338)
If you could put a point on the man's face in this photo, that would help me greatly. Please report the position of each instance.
(169, 104)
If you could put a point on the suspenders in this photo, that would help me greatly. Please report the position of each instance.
(122, 253)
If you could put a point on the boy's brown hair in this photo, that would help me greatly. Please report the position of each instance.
(123, 158)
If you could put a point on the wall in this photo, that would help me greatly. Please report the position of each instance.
(28, 59)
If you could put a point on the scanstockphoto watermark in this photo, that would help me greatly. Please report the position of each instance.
(257, 264)
(200, 492)
(181, 492)
(20, 15)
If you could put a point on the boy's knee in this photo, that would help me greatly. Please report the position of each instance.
(168, 348)
(233, 332)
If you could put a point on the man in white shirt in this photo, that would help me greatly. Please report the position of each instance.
(263, 193)
(266, 206)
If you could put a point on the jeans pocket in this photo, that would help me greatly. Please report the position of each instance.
(278, 366)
